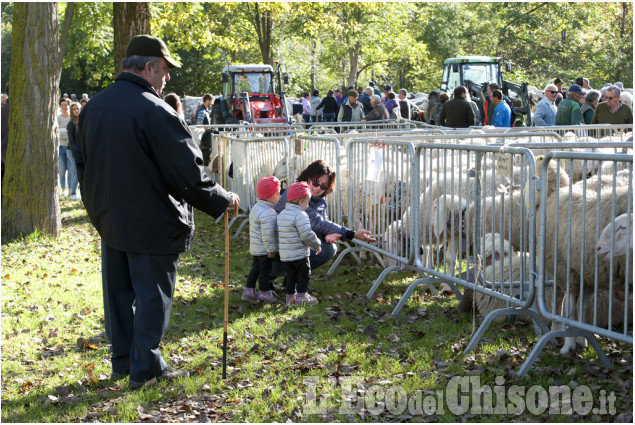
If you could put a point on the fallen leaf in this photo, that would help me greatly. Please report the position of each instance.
(371, 332)
(393, 338)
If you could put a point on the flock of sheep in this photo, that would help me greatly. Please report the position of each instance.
(586, 213)
(472, 207)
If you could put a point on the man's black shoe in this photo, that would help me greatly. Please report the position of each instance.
(167, 375)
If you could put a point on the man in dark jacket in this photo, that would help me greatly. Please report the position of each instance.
(140, 172)
(457, 112)
(364, 99)
(329, 107)
(379, 111)
(404, 105)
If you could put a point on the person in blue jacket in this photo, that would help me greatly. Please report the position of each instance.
(502, 113)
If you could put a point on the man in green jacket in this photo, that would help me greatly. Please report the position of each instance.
(612, 111)
(569, 112)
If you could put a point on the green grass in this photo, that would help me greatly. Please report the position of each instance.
(55, 356)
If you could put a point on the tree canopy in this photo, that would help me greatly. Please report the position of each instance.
(325, 45)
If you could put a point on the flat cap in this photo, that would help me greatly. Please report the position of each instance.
(147, 45)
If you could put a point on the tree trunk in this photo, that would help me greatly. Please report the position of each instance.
(353, 57)
(313, 64)
(263, 24)
(66, 29)
(129, 19)
(618, 73)
(353, 51)
(29, 194)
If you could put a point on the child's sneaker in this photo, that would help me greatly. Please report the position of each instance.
(268, 296)
(290, 299)
(305, 299)
(249, 294)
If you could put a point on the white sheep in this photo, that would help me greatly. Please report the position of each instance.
(497, 271)
(502, 265)
(559, 253)
(447, 215)
(623, 235)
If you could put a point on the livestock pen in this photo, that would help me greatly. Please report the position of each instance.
(436, 197)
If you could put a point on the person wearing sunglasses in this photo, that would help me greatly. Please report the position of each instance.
(545, 114)
(612, 111)
(321, 180)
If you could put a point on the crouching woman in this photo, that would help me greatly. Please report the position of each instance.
(321, 180)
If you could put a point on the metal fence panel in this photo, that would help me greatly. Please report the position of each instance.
(584, 133)
(572, 218)
(467, 193)
(343, 127)
(379, 192)
(253, 159)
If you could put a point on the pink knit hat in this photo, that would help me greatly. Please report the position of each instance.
(267, 187)
(298, 190)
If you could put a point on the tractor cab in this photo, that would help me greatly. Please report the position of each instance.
(251, 93)
(475, 73)
(471, 69)
(247, 79)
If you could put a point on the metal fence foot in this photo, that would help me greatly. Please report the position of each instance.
(511, 311)
(381, 278)
(353, 254)
(428, 281)
(547, 337)
(241, 227)
(232, 221)
(339, 258)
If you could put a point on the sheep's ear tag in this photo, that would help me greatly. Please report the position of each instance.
(504, 164)
(298, 146)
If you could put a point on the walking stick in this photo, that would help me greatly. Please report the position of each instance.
(226, 314)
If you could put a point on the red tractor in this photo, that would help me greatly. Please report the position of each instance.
(252, 93)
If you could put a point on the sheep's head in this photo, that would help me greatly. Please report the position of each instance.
(492, 246)
(623, 237)
(556, 179)
(447, 214)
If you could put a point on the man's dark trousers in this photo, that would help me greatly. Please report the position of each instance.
(146, 282)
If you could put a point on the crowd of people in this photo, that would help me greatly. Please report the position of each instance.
(356, 105)
(67, 120)
(581, 104)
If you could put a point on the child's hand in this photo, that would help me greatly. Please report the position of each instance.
(318, 251)
(332, 237)
(271, 255)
